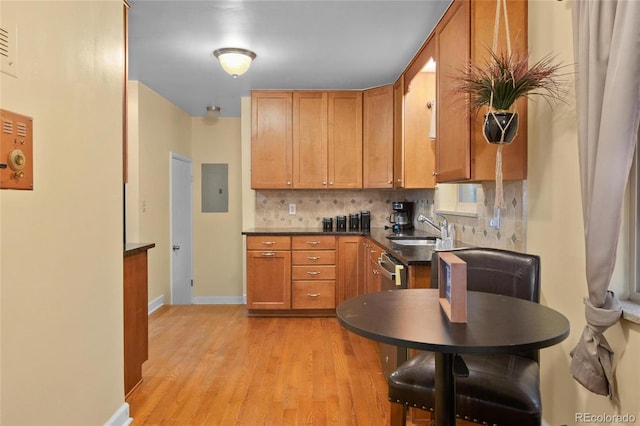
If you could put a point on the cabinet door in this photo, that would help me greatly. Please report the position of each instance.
(345, 140)
(453, 145)
(350, 281)
(374, 279)
(398, 133)
(378, 137)
(372, 274)
(514, 155)
(271, 146)
(310, 140)
(136, 343)
(419, 100)
(268, 279)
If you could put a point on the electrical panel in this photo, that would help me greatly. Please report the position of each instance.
(16, 151)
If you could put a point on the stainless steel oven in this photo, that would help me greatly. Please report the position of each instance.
(394, 277)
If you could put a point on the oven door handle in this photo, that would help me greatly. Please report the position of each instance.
(384, 271)
(393, 276)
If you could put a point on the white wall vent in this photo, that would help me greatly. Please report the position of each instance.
(8, 50)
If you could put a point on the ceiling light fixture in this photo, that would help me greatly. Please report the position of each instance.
(213, 111)
(235, 61)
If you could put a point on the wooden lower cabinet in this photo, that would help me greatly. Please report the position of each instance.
(313, 272)
(313, 294)
(291, 275)
(268, 272)
(135, 316)
(373, 278)
(350, 267)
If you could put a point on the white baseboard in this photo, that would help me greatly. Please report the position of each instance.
(120, 417)
(219, 300)
(156, 303)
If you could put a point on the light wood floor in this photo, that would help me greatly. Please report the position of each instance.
(212, 365)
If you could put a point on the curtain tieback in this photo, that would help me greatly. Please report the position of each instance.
(592, 358)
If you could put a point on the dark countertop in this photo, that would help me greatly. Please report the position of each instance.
(133, 248)
(409, 255)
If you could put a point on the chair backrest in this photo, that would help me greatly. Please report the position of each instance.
(500, 272)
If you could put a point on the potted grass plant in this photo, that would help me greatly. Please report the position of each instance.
(499, 82)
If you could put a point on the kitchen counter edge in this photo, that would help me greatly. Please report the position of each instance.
(409, 255)
(134, 248)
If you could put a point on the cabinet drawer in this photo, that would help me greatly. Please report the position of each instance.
(268, 242)
(314, 295)
(314, 257)
(313, 242)
(312, 272)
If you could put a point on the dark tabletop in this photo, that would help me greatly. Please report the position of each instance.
(413, 318)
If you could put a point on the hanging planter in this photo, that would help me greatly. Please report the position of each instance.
(498, 83)
(500, 126)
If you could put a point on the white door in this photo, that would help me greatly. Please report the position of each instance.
(181, 257)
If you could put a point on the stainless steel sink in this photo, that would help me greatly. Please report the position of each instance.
(414, 242)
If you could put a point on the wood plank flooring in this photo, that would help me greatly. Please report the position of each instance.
(212, 365)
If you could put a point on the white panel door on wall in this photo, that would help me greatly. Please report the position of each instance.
(181, 230)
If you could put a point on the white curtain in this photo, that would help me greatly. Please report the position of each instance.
(606, 36)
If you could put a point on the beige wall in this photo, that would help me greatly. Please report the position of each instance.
(555, 232)
(61, 265)
(162, 128)
(217, 240)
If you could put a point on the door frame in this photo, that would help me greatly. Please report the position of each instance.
(177, 157)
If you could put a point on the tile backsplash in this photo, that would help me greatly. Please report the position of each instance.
(272, 207)
(272, 210)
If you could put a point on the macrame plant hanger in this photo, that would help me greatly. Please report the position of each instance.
(499, 199)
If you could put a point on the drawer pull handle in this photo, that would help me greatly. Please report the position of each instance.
(313, 243)
(313, 273)
(313, 294)
(268, 243)
(268, 253)
(313, 257)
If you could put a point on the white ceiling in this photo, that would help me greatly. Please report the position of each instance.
(301, 44)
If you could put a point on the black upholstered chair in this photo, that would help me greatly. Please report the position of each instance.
(501, 389)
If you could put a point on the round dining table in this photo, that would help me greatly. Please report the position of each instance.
(413, 318)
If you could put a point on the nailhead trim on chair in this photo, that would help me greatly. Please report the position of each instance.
(406, 404)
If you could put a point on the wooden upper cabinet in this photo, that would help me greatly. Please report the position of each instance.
(398, 133)
(306, 139)
(327, 139)
(463, 34)
(378, 137)
(345, 139)
(419, 106)
(310, 140)
(514, 155)
(271, 140)
(453, 147)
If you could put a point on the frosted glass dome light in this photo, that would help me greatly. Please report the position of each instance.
(235, 61)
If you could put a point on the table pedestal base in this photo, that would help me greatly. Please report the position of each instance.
(445, 409)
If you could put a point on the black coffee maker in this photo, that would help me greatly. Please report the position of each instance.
(402, 216)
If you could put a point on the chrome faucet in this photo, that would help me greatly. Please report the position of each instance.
(443, 226)
(424, 219)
